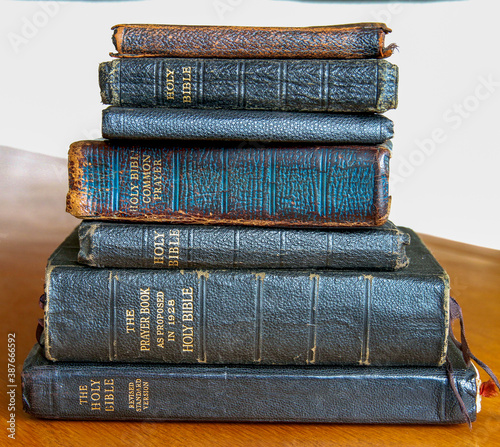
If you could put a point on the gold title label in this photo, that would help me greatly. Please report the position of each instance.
(98, 395)
(158, 319)
(146, 184)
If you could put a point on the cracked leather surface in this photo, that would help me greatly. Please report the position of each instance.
(237, 184)
(362, 40)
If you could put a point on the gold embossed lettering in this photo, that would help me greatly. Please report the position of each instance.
(159, 247)
(83, 394)
(130, 320)
(170, 83)
(186, 84)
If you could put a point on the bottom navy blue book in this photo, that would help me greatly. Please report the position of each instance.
(156, 392)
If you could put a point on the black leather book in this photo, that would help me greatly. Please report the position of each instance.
(366, 85)
(244, 125)
(240, 316)
(404, 395)
(170, 246)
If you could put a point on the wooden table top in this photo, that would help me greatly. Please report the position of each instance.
(33, 223)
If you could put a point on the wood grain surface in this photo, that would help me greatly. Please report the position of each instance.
(33, 223)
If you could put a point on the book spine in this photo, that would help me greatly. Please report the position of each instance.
(315, 317)
(188, 246)
(244, 125)
(306, 186)
(273, 394)
(285, 85)
(361, 41)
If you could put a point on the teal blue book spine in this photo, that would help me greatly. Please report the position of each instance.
(230, 184)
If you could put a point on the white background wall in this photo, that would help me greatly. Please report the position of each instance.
(446, 165)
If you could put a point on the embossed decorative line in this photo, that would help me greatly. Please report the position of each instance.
(156, 88)
(201, 69)
(115, 194)
(225, 180)
(158, 74)
(236, 246)
(322, 181)
(112, 316)
(103, 176)
(97, 177)
(202, 292)
(144, 244)
(326, 86)
(189, 254)
(238, 84)
(54, 383)
(86, 178)
(175, 180)
(365, 348)
(120, 83)
(282, 246)
(313, 323)
(257, 357)
(242, 91)
(272, 182)
(329, 248)
(285, 79)
(280, 85)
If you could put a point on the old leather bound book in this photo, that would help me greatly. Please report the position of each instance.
(159, 123)
(356, 41)
(149, 392)
(168, 246)
(240, 316)
(309, 85)
(217, 183)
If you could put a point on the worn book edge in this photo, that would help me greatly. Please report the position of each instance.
(79, 201)
(89, 253)
(384, 52)
(387, 83)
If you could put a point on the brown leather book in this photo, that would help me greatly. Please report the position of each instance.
(229, 183)
(355, 41)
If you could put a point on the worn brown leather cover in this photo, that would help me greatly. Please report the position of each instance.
(354, 41)
(229, 183)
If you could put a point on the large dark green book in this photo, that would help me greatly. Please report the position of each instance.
(154, 392)
(254, 316)
(171, 246)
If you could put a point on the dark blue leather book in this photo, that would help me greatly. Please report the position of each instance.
(244, 125)
(310, 85)
(169, 246)
(254, 316)
(149, 392)
(230, 184)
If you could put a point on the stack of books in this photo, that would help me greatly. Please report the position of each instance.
(235, 262)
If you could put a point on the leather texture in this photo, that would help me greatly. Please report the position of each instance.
(258, 84)
(261, 394)
(361, 40)
(140, 245)
(233, 184)
(244, 125)
(238, 316)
